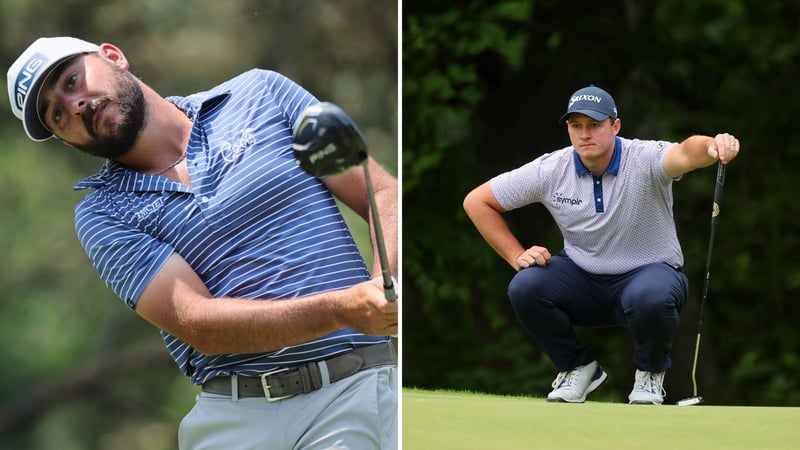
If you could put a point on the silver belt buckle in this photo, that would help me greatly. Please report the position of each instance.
(266, 385)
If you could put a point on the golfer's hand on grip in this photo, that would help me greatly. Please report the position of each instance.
(365, 309)
(724, 147)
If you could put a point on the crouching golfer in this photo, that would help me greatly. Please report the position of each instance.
(611, 198)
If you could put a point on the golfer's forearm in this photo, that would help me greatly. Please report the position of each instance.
(386, 199)
(493, 228)
(230, 325)
(500, 238)
(697, 151)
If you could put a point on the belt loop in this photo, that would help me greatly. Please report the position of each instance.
(235, 387)
(323, 373)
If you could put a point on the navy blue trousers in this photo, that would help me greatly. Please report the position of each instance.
(550, 300)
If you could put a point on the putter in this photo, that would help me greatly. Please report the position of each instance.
(696, 399)
(327, 142)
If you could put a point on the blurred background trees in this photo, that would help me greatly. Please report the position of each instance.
(79, 369)
(484, 84)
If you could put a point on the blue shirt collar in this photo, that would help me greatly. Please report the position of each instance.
(193, 104)
(613, 166)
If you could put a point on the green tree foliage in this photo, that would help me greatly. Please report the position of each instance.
(79, 369)
(483, 87)
(455, 330)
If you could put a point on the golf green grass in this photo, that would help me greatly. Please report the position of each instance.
(455, 420)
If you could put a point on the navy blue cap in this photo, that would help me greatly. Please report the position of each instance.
(593, 102)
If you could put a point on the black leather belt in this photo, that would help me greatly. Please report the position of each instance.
(284, 383)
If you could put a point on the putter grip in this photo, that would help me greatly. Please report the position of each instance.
(718, 192)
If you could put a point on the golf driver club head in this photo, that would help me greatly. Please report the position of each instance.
(326, 141)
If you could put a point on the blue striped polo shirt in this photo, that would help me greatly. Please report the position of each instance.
(611, 223)
(252, 225)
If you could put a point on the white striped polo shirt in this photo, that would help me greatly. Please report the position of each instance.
(611, 223)
(253, 224)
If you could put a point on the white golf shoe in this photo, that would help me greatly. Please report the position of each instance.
(648, 388)
(574, 385)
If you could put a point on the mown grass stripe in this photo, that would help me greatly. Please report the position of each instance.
(460, 420)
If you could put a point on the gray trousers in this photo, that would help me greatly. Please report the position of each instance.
(356, 413)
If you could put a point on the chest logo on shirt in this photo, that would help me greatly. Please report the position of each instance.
(146, 210)
(561, 199)
(238, 144)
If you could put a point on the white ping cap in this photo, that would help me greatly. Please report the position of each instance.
(26, 75)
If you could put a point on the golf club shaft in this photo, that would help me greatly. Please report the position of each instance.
(388, 283)
(694, 364)
(719, 185)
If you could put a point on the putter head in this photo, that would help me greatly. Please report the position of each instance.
(326, 141)
(691, 401)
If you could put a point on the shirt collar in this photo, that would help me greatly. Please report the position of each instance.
(193, 104)
(613, 166)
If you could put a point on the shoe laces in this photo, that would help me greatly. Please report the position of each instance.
(652, 382)
(566, 378)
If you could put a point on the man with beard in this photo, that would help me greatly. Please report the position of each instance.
(202, 222)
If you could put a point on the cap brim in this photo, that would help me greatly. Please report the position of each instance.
(596, 115)
(33, 123)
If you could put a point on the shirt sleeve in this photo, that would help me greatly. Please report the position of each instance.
(654, 152)
(527, 184)
(125, 257)
(292, 98)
